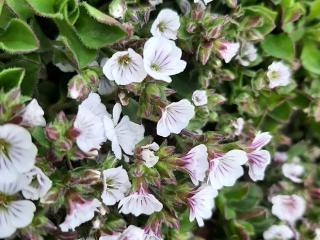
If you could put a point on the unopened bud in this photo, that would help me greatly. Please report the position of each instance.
(232, 3)
(51, 133)
(198, 12)
(117, 8)
(204, 52)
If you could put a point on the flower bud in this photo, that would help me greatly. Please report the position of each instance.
(191, 27)
(232, 3)
(52, 133)
(117, 8)
(204, 52)
(198, 12)
(77, 88)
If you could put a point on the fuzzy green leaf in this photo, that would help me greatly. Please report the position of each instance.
(96, 29)
(310, 57)
(18, 38)
(280, 46)
(11, 78)
(81, 54)
(21, 8)
(46, 8)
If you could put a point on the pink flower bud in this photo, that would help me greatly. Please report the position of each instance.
(51, 133)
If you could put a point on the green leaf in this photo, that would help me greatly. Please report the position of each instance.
(21, 8)
(80, 53)
(280, 46)
(97, 30)
(281, 113)
(18, 37)
(11, 78)
(314, 10)
(32, 65)
(310, 57)
(47, 8)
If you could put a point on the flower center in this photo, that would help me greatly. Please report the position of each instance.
(274, 75)
(155, 67)
(161, 26)
(124, 60)
(4, 147)
(4, 200)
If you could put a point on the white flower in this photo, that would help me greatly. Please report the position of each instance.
(155, 2)
(125, 67)
(280, 232)
(32, 115)
(288, 207)
(199, 97)
(166, 24)
(293, 171)
(225, 170)
(89, 124)
(227, 50)
(280, 157)
(317, 234)
(238, 125)
(204, 1)
(162, 58)
(39, 184)
(148, 156)
(248, 54)
(124, 134)
(17, 152)
(140, 202)
(258, 159)
(175, 117)
(132, 233)
(116, 185)
(196, 163)
(80, 211)
(201, 204)
(14, 214)
(279, 74)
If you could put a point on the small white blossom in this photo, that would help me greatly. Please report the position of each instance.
(155, 2)
(259, 159)
(124, 134)
(130, 233)
(201, 204)
(89, 123)
(80, 211)
(17, 152)
(175, 117)
(148, 156)
(280, 157)
(227, 50)
(225, 170)
(125, 67)
(32, 115)
(238, 125)
(293, 171)
(196, 163)
(116, 184)
(39, 184)
(279, 74)
(288, 207)
(14, 214)
(140, 202)
(162, 58)
(199, 98)
(166, 24)
(317, 234)
(280, 232)
(204, 1)
(248, 54)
